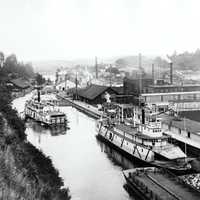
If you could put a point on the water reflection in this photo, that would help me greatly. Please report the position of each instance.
(115, 156)
(90, 168)
(38, 128)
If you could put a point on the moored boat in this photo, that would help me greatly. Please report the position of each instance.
(44, 112)
(145, 141)
(152, 183)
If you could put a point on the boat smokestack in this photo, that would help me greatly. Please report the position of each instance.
(38, 91)
(171, 72)
(143, 113)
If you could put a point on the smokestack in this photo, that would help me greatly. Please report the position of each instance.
(38, 91)
(96, 67)
(153, 78)
(143, 113)
(140, 73)
(171, 73)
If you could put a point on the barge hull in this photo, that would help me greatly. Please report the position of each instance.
(140, 161)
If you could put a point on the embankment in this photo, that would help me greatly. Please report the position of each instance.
(25, 172)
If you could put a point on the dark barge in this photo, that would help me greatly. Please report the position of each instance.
(158, 184)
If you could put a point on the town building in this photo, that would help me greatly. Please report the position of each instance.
(19, 86)
(95, 94)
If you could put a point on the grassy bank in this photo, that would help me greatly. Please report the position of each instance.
(25, 172)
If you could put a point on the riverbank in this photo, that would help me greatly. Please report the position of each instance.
(25, 172)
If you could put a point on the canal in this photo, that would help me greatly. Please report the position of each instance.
(91, 169)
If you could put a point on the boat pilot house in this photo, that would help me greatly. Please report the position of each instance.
(95, 94)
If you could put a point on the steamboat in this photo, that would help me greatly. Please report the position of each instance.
(44, 112)
(143, 140)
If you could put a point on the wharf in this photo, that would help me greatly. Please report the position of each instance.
(157, 184)
(82, 106)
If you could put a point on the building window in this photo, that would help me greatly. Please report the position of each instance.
(188, 134)
(179, 130)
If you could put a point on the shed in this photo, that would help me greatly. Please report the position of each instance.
(95, 94)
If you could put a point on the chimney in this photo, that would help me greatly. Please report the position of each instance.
(140, 73)
(153, 77)
(171, 73)
(96, 67)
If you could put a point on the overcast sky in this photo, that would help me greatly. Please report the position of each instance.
(68, 29)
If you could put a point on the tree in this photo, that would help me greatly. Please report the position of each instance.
(39, 79)
(1, 59)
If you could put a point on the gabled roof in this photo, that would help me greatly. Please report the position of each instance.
(92, 91)
(20, 83)
(118, 90)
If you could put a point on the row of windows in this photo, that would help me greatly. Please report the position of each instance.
(162, 98)
(178, 89)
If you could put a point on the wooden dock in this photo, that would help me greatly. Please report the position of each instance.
(90, 110)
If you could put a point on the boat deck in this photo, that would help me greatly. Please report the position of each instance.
(164, 185)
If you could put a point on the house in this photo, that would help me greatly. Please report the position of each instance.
(19, 86)
(65, 85)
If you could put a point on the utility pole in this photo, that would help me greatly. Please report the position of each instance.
(76, 82)
(153, 75)
(65, 81)
(140, 73)
(110, 75)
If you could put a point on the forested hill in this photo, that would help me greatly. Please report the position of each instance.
(186, 60)
(182, 62)
(10, 67)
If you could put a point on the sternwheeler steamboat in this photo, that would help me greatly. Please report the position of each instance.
(144, 141)
(44, 112)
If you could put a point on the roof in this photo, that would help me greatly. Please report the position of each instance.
(182, 123)
(92, 91)
(118, 90)
(20, 83)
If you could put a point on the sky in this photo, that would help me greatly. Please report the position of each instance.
(70, 29)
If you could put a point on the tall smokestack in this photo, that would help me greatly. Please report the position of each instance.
(38, 91)
(153, 76)
(171, 73)
(96, 67)
(140, 73)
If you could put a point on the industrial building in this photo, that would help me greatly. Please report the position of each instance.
(181, 97)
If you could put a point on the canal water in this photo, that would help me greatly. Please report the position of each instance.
(91, 169)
